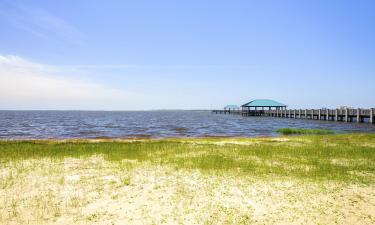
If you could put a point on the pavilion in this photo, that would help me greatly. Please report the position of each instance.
(258, 105)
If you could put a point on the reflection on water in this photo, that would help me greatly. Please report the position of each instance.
(154, 124)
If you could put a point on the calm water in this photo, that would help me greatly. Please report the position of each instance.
(155, 124)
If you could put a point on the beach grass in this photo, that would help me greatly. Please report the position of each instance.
(306, 157)
(47, 181)
(289, 131)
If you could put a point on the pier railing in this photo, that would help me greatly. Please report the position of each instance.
(347, 115)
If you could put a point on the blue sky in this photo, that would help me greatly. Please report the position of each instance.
(124, 55)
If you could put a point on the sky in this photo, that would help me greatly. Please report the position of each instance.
(145, 55)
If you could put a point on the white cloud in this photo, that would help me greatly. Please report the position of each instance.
(40, 22)
(28, 85)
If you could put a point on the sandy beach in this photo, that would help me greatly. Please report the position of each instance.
(94, 189)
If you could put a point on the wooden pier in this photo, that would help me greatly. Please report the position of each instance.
(345, 115)
(226, 111)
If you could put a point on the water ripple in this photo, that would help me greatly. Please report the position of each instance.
(150, 124)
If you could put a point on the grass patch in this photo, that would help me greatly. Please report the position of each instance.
(126, 181)
(323, 157)
(290, 131)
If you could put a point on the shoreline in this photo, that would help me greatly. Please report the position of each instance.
(142, 138)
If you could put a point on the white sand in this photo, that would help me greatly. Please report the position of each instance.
(95, 191)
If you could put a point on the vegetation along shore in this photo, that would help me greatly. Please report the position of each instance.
(308, 179)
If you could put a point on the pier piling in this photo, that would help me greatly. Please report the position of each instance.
(346, 115)
(319, 114)
(358, 115)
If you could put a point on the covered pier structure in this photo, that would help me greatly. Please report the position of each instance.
(271, 108)
(258, 107)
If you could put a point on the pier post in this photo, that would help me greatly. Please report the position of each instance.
(327, 114)
(319, 114)
(371, 115)
(294, 113)
(336, 115)
(289, 113)
(346, 115)
(277, 112)
(358, 115)
(305, 113)
(312, 114)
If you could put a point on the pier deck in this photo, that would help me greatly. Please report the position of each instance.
(346, 115)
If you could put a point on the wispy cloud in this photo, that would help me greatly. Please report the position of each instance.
(150, 66)
(39, 22)
(30, 85)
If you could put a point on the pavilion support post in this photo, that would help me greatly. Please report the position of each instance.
(294, 113)
(327, 114)
(346, 115)
(371, 115)
(277, 112)
(336, 115)
(312, 114)
(289, 113)
(358, 115)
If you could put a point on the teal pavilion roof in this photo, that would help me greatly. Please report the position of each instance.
(264, 103)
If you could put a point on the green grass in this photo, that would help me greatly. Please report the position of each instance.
(289, 131)
(347, 158)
